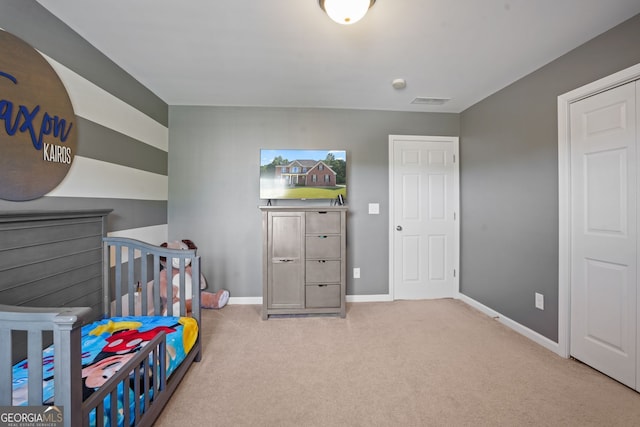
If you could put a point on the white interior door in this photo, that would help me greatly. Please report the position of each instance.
(604, 238)
(423, 225)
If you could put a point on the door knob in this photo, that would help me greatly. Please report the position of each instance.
(399, 228)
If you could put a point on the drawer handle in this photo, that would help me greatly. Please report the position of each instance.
(286, 260)
(323, 286)
(322, 212)
(322, 237)
(322, 260)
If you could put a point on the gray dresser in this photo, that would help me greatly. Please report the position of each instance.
(304, 260)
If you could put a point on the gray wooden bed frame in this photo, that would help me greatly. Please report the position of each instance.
(67, 243)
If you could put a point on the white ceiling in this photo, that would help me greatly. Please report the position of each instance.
(289, 53)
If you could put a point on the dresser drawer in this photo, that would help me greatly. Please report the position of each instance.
(322, 271)
(321, 296)
(322, 222)
(322, 246)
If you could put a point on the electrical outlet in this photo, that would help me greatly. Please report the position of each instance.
(539, 301)
(356, 273)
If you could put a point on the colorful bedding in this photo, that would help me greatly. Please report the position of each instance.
(107, 345)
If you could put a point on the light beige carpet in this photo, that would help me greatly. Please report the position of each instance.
(403, 363)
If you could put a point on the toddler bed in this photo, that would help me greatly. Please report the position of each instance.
(121, 369)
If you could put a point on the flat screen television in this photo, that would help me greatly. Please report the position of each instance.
(303, 174)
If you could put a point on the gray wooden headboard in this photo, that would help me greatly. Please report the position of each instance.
(52, 258)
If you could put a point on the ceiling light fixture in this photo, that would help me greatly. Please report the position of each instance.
(346, 12)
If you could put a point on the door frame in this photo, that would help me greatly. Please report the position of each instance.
(564, 194)
(456, 207)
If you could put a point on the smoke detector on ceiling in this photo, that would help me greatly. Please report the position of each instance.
(399, 83)
(430, 101)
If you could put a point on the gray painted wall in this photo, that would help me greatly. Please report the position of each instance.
(509, 181)
(30, 21)
(213, 183)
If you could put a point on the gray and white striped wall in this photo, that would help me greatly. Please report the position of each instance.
(123, 137)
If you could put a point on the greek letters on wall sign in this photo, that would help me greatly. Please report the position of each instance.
(38, 137)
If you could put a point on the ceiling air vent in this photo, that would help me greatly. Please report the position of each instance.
(430, 101)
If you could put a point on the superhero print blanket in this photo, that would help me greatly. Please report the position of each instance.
(107, 345)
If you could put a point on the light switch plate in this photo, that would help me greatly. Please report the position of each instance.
(374, 208)
(539, 301)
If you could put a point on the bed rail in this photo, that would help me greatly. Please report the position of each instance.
(134, 264)
(65, 323)
(147, 369)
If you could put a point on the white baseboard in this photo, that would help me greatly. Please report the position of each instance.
(369, 298)
(521, 329)
(245, 300)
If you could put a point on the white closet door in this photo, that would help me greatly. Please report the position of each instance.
(604, 262)
(424, 189)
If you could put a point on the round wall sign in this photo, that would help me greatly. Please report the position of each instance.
(38, 132)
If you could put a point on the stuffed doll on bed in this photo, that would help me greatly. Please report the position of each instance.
(207, 299)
